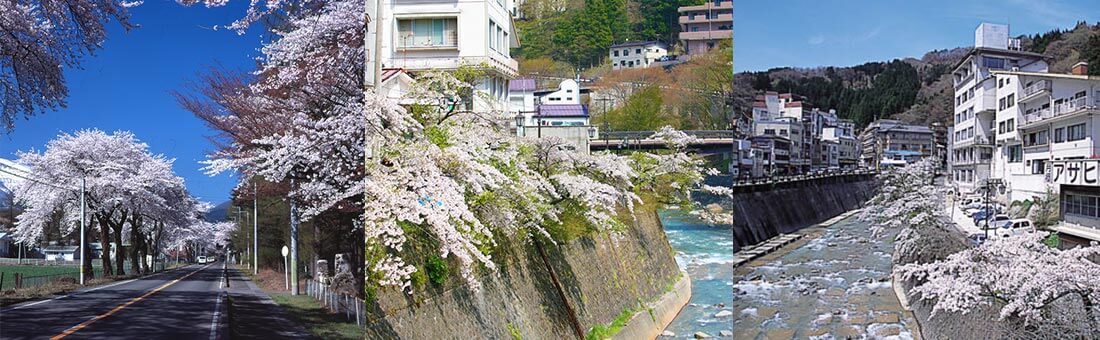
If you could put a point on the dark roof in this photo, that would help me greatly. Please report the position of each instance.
(1016, 53)
(563, 110)
(637, 43)
(388, 73)
(521, 85)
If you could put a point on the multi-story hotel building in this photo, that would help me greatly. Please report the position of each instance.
(976, 99)
(425, 35)
(702, 27)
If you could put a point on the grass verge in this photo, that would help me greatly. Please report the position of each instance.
(318, 321)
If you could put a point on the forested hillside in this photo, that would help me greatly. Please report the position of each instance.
(578, 32)
(913, 90)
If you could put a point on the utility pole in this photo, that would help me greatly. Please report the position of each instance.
(293, 244)
(83, 244)
(255, 228)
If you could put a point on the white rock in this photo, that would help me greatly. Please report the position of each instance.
(668, 334)
(725, 334)
(701, 335)
(723, 314)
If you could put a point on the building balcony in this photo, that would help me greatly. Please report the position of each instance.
(1035, 90)
(447, 41)
(723, 4)
(502, 65)
(963, 81)
(702, 19)
(1072, 108)
(707, 35)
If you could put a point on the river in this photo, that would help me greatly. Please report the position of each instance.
(835, 285)
(706, 253)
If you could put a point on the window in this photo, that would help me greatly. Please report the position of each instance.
(1059, 135)
(626, 52)
(994, 63)
(769, 131)
(783, 132)
(1081, 205)
(638, 51)
(1038, 166)
(492, 35)
(1011, 101)
(615, 53)
(1076, 132)
(1011, 125)
(415, 33)
(1015, 153)
(1001, 127)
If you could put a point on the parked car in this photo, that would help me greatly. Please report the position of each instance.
(1015, 227)
(980, 222)
(976, 239)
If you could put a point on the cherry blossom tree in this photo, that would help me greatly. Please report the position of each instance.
(1019, 273)
(38, 39)
(126, 186)
(911, 205)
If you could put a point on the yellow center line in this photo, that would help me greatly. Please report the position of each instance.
(73, 329)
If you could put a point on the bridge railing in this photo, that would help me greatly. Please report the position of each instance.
(801, 177)
(642, 135)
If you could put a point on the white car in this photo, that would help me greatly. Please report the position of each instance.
(1014, 227)
(997, 220)
(201, 259)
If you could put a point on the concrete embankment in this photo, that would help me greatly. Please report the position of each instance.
(545, 291)
(765, 211)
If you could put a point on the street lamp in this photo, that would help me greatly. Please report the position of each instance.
(519, 124)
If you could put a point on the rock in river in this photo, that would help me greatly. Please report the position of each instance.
(723, 314)
(701, 335)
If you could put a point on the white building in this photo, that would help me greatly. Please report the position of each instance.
(640, 54)
(427, 35)
(976, 99)
(1043, 117)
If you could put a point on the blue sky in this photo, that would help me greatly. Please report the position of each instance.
(126, 86)
(808, 33)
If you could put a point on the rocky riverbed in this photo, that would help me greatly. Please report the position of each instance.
(834, 284)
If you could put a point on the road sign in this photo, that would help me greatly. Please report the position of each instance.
(286, 251)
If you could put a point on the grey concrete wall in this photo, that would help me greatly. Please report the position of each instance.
(601, 276)
(766, 211)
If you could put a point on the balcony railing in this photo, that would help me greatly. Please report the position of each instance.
(1072, 106)
(1036, 87)
(448, 40)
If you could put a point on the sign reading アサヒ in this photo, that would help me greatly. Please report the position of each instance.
(1075, 172)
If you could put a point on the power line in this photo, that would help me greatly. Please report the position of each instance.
(6, 170)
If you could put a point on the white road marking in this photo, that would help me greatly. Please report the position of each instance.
(217, 312)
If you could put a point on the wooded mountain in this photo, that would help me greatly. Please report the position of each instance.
(913, 90)
(579, 32)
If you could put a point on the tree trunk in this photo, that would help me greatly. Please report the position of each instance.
(135, 243)
(120, 259)
(105, 242)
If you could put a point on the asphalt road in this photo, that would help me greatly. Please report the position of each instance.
(180, 304)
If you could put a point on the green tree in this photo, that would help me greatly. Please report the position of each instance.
(1091, 54)
(643, 111)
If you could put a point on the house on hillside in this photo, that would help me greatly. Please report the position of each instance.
(639, 54)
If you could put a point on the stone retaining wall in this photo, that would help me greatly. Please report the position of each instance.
(600, 277)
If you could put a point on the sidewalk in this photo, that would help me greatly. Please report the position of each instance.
(256, 316)
(963, 223)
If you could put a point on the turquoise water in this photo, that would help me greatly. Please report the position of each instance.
(706, 253)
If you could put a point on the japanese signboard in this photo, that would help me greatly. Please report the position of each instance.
(1075, 172)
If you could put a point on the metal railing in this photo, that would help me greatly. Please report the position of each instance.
(348, 305)
(1036, 87)
(643, 135)
(801, 177)
(1071, 106)
(448, 40)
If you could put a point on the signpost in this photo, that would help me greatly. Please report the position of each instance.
(286, 266)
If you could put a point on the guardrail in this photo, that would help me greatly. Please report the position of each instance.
(350, 306)
(701, 134)
(795, 178)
